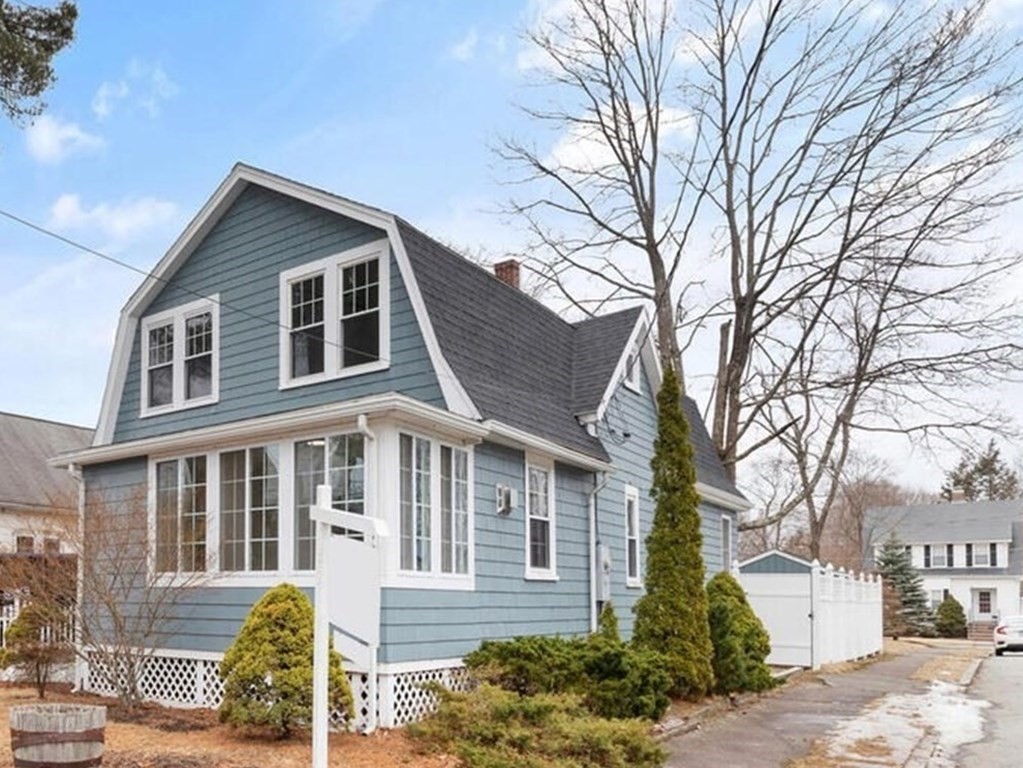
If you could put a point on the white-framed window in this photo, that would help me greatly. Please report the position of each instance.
(335, 316)
(51, 546)
(250, 509)
(726, 544)
(632, 566)
(24, 544)
(340, 461)
(433, 500)
(180, 514)
(180, 357)
(938, 555)
(541, 528)
(633, 369)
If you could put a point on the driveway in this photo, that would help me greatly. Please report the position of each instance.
(1000, 681)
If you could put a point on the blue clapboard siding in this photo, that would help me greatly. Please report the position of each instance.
(261, 235)
(628, 431)
(428, 624)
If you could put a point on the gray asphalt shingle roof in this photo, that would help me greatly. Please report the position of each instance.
(597, 348)
(956, 523)
(26, 479)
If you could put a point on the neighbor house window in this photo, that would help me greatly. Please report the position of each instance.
(334, 316)
(433, 478)
(981, 554)
(24, 545)
(338, 460)
(51, 546)
(540, 526)
(180, 357)
(631, 536)
(938, 559)
(250, 510)
(181, 508)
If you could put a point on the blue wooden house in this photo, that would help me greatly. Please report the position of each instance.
(290, 338)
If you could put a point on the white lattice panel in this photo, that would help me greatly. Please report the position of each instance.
(410, 701)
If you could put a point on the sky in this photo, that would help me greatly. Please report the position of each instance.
(394, 103)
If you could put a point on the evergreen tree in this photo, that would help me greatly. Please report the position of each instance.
(951, 618)
(984, 477)
(671, 616)
(30, 37)
(741, 644)
(896, 568)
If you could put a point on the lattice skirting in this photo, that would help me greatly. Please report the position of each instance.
(192, 681)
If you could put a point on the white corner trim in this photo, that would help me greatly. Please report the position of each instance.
(727, 500)
(457, 399)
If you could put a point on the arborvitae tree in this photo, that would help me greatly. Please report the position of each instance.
(984, 477)
(896, 567)
(741, 644)
(30, 37)
(671, 616)
(268, 670)
(607, 623)
(950, 620)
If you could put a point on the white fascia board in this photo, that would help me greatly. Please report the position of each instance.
(278, 424)
(455, 396)
(723, 498)
(505, 434)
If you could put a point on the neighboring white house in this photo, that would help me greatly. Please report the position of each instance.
(36, 499)
(970, 550)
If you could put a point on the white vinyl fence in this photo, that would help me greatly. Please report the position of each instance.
(820, 616)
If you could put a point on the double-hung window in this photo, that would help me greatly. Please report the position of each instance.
(250, 509)
(433, 500)
(180, 357)
(181, 507)
(541, 546)
(938, 556)
(631, 536)
(339, 460)
(977, 555)
(335, 316)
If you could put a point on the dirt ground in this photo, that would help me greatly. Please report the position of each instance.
(178, 738)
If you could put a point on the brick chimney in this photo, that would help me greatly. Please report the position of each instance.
(507, 271)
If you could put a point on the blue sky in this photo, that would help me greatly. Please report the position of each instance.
(394, 103)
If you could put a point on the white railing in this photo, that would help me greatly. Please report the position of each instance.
(820, 616)
(63, 633)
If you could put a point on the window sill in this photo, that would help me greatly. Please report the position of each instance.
(319, 378)
(632, 386)
(541, 576)
(146, 413)
(633, 584)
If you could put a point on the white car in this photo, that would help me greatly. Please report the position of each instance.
(1009, 634)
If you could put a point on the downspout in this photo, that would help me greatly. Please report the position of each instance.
(599, 483)
(362, 423)
(81, 668)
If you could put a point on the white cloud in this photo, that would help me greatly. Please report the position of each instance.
(120, 222)
(145, 85)
(51, 141)
(465, 49)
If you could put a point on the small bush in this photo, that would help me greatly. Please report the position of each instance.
(268, 670)
(28, 651)
(950, 620)
(613, 678)
(494, 728)
(741, 644)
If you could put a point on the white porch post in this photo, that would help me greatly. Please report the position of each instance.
(321, 637)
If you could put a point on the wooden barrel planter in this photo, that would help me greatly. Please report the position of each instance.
(57, 735)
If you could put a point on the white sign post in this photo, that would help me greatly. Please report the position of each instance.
(348, 587)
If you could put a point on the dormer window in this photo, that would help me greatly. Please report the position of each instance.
(179, 357)
(335, 317)
(633, 367)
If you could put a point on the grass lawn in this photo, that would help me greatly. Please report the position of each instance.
(158, 737)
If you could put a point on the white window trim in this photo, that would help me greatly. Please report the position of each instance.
(176, 317)
(540, 574)
(330, 267)
(726, 554)
(394, 575)
(632, 494)
(633, 367)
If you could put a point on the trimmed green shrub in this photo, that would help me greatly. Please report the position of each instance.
(494, 728)
(607, 623)
(741, 644)
(29, 650)
(951, 618)
(268, 670)
(614, 679)
(671, 616)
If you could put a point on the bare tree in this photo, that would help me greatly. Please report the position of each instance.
(845, 162)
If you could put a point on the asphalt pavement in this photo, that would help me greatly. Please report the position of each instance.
(1000, 681)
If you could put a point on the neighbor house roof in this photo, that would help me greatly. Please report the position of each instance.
(947, 523)
(26, 444)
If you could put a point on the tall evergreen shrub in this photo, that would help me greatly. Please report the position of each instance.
(671, 617)
(741, 644)
(896, 567)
